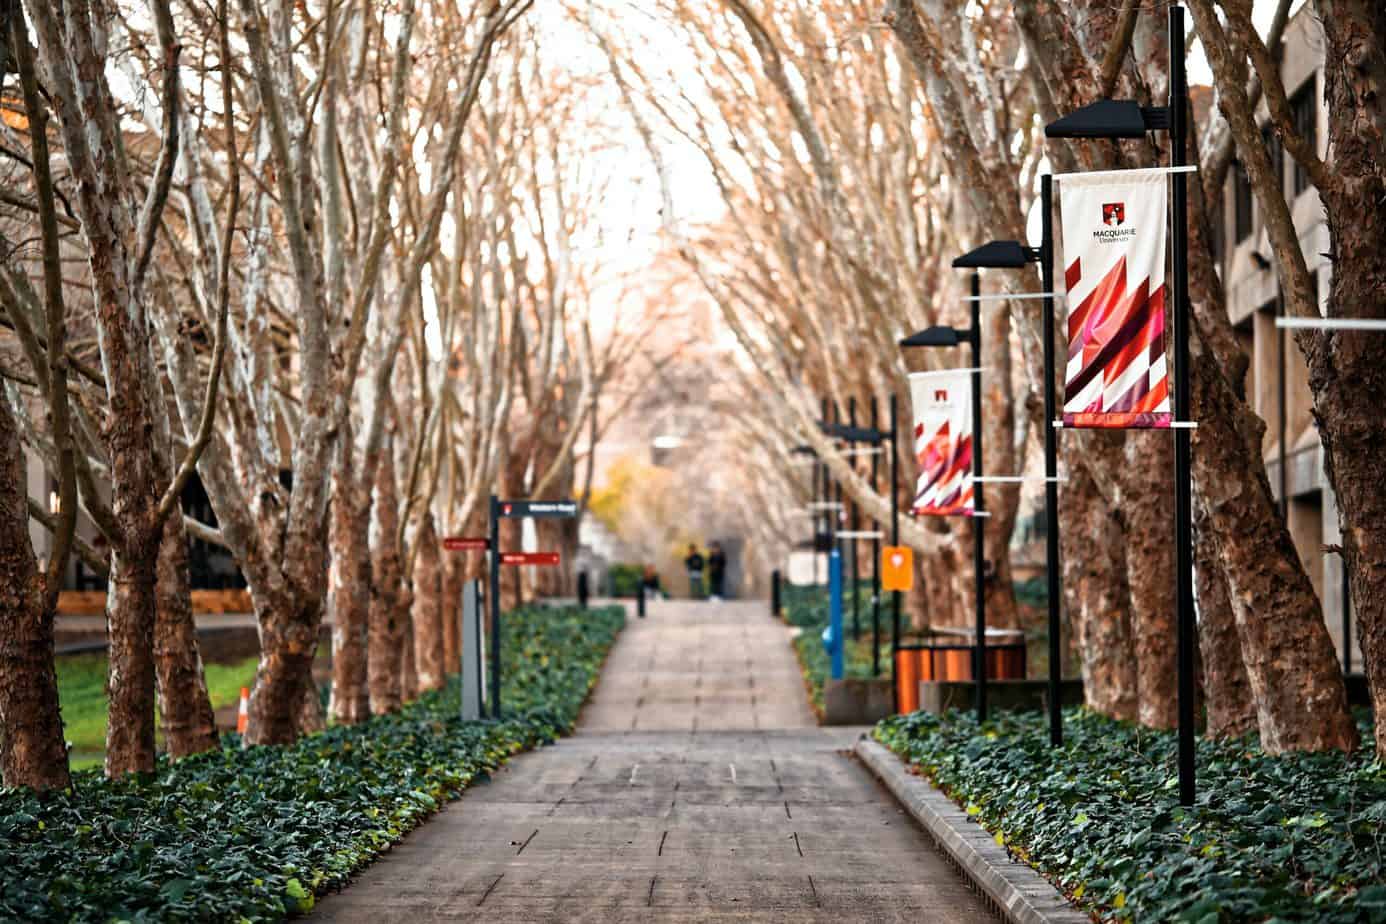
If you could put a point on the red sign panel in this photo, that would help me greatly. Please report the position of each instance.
(466, 543)
(529, 558)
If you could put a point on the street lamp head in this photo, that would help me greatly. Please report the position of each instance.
(803, 450)
(935, 337)
(995, 255)
(1106, 118)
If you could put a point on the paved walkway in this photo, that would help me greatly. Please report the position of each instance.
(697, 788)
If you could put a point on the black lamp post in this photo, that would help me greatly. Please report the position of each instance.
(1129, 119)
(948, 337)
(1014, 255)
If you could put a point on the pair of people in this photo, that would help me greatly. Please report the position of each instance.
(715, 566)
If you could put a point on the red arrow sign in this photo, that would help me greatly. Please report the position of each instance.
(466, 543)
(529, 558)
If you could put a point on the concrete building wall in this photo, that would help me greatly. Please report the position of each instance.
(1277, 384)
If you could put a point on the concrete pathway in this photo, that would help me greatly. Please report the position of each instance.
(697, 788)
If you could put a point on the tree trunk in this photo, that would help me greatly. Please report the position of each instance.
(408, 668)
(387, 617)
(1346, 372)
(130, 607)
(288, 642)
(310, 718)
(1146, 492)
(32, 750)
(1226, 687)
(1094, 572)
(428, 608)
(453, 580)
(185, 709)
(1301, 703)
(349, 582)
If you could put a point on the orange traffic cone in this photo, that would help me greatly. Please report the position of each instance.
(243, 717)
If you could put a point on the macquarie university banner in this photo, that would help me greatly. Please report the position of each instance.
(1114, 269)
(943, 442)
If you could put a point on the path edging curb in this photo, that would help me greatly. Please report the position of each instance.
(1020, 893)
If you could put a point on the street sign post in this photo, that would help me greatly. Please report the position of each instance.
(514, 509)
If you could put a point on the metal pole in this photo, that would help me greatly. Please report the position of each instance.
(1183, 455)
(835, 613)
(822, 468)
(979, 663)
(1051, 466)
(853, 526)
(876, 551)
(495, 609)
(640, 600)
(894, 540)
(775, 594)
(1283, 421)
(1347, 615)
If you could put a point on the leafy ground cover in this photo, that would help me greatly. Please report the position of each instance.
(82, 692)
(255, 834)
(1294, 838)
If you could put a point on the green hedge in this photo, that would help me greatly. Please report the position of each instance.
(1292, 838)
(254, 834)
(624, 579)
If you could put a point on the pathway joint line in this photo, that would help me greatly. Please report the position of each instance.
(526, 843)
(662, 838)
(1022, 895)
(797, 846)
(814, 889)
(489, 889)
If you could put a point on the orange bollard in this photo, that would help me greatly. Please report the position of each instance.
(243, 717)
(907, 673)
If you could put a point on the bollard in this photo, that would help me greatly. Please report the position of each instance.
(835, 613)
(775, 594)
(582, 590)
(640, 600)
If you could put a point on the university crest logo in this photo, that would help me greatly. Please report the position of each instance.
(1113, 213)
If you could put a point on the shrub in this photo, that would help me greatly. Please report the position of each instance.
(625, 579)
(255, 834)
(1290, 838)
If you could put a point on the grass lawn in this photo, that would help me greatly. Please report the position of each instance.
(82, 694)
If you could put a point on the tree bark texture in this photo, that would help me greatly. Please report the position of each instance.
(1226, 686)
(32, 750)
(453, 579)
(1094, 569)
(1146, 490)
(1346, 372)
(1301, 703)
(428, 608)
(388, 617)
(349, 594)
(130, 608)
(185, 709)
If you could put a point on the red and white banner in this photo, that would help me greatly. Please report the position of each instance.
(1114, 258)
(943, 442)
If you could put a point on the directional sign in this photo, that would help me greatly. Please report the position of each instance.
(466, 543)
(538, 509)
(897, 567)
(529, 558)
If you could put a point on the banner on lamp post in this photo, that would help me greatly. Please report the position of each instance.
(1114, 227)
(943, 442)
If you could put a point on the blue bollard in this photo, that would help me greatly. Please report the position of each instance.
(835, 610)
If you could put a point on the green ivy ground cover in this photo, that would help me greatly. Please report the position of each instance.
(255, 834)
(1295, 838)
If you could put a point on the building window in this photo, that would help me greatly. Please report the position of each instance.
(1304, 112)
(1241, 202)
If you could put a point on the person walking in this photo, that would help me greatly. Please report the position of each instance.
(651, 582)
(717, 570)
(695, 564)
